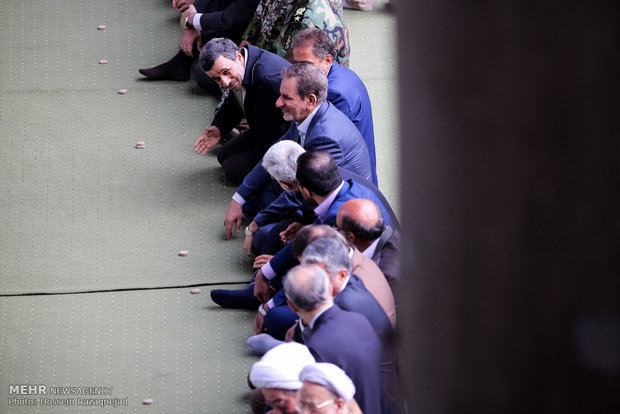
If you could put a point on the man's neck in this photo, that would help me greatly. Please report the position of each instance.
(362, 245)
(319, 199)
(306, 115)
(306, 317)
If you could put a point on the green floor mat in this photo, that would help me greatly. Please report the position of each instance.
(91, 227)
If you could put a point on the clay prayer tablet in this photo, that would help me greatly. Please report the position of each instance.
(195, 291)
(101, 27)
(122, 91)
(183, 253)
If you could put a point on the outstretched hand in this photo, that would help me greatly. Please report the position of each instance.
(207, 140)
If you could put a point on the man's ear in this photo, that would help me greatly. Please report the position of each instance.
(349, 236)
(312, 100)
(284, 185)
(329, 59)
(292, 306)
(340, 403)
(307, 193)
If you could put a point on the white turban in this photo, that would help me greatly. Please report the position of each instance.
(280, 367)
(331, 377)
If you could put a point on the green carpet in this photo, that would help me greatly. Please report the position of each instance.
(92, 290)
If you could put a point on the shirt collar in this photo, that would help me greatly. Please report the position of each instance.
(344, 285)
(305, 124)
(322, 209)
(370, 250)
(313, 321)
(240, 94)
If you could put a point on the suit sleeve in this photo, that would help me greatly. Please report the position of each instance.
(279, 298)
(238, 13)
(287, 205)
(254, 182)
(228, 115)
(283, 261)
(258, 178)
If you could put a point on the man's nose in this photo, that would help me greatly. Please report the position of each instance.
(225, 81)
(279, 102)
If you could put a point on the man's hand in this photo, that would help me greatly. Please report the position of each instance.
(190, 36)
(247, 245)
(290, 232)
(190, 12)
(290, 333)
(232, 219)
(182, 5)
(207, 140)
(262, 291)
(259, 320)
(249, 238)
(261, 260)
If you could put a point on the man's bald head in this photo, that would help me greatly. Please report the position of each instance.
(361, 222)
(361, 210)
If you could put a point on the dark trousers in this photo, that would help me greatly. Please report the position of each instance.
(239, 156)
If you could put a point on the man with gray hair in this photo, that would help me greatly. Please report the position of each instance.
(250, 78)
(280, 161)
(343, 338)
(316, 125)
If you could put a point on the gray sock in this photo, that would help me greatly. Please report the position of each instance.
(259, 344)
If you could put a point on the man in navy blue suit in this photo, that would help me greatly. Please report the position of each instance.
(251, 77)
(317, 125)
(345, 89)
(345, 339)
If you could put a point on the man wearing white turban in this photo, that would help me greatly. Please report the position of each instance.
(277, 375)
(326, 389)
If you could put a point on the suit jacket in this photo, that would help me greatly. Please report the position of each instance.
(375, 282)
(225, 18)
(288, 204)
(347, 92)
(356, 298)
(347, 340)
(284, 259)
(331, 131)
(262, 83)
(387, 256)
